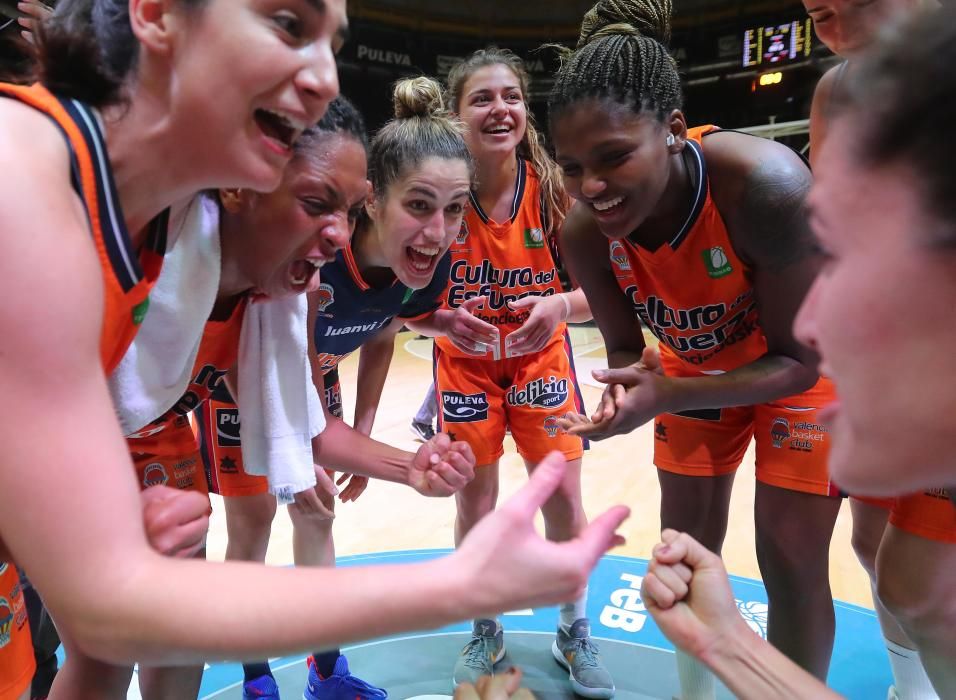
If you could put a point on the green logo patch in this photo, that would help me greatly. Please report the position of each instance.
(139, 311)
(533, 238)
(716, 262)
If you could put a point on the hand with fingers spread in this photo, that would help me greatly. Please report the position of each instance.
(468, 332)
(634, 395)
(518, 568)
(35, 12)
(176, 521)
(310, 502)
(503, 686)
(687, 592)
(545, 313)
(354, 488)
(441, 467)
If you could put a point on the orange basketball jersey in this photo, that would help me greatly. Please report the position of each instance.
(694, 293)
(503, 262)
(127, 276)
(172, 435)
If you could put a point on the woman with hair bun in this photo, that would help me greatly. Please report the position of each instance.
(702, 236)
(503, 356)
(393, 270)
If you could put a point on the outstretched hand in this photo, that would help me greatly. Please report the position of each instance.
(441, 467)
(507, 565)
(503, 686)
(633, 396)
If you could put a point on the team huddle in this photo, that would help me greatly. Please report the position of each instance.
(243, 247)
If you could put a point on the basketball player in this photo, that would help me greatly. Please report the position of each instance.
(707, 244)
(274, 70)
(912, 536)
(395, 269)
(883, 207)
(502, 354)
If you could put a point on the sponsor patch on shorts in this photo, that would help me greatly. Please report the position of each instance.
(464, 408)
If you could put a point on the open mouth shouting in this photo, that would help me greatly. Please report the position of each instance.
(304, 274)
(280, 129)
(422, 259)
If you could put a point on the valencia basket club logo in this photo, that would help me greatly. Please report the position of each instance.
(155, 475)
(779, 431)
(551, 426)
(324, 296)
(619, 256)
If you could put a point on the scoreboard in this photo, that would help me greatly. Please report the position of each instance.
(777, 44)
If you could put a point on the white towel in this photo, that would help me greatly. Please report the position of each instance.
(156, 369)
(279, 408)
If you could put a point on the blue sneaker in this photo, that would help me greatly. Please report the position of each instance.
(261, 688)
(341, 685)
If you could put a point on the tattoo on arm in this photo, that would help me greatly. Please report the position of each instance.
(773, 216)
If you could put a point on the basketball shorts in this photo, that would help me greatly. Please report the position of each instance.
(791, 443)
(17, 664)
(478, 399)
(184, 472)
(929, 514)
(221, 448)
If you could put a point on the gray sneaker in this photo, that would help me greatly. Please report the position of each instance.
(576, 652)
(479, 656)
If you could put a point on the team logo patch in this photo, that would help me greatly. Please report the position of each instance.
(6, 622)
(619, 256)
(716, 262)
(533, 238)
(333, 399)
(551, 426)
(779, 431)
(227, 427)
(227, 465)
(464, 408)
(139, 311)
(462, 233)
(324, 296)
(660, 431)
(539, 393)
(155, 475)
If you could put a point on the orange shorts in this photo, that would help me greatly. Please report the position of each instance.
(792, 444)
(221, 448)
(479, 398)
(184, 472)
(929, 514)
(17, 664)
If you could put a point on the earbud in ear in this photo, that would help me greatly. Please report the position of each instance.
(670, 140)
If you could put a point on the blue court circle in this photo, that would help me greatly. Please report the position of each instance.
(638, 655)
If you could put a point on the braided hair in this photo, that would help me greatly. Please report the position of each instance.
(621, 55)
(531, 147)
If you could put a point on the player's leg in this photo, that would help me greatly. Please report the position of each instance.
(915, 574)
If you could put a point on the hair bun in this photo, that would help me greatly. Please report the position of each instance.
(417, 97)
(651, 18)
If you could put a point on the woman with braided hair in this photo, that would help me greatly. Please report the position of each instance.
(701, 235)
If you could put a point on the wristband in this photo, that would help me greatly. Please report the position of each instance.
(567, 306)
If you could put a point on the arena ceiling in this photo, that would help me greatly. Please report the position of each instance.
(535, 18)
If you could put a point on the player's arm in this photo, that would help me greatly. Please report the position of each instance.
(70, 507)
(760, 188)
(584, 251)
(375, 358)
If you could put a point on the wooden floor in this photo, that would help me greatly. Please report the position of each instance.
(393, 517)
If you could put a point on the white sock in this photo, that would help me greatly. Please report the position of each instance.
(696, 681)
(909, 676)
(573, 611)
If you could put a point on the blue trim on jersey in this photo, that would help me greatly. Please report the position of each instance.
(578, 395)
(354, 312)
(700, 195)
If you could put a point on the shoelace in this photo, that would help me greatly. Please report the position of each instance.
(586, 653)
(479, 655)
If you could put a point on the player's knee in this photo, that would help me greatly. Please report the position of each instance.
(916, 608)
(254, 518)
(865, 546)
